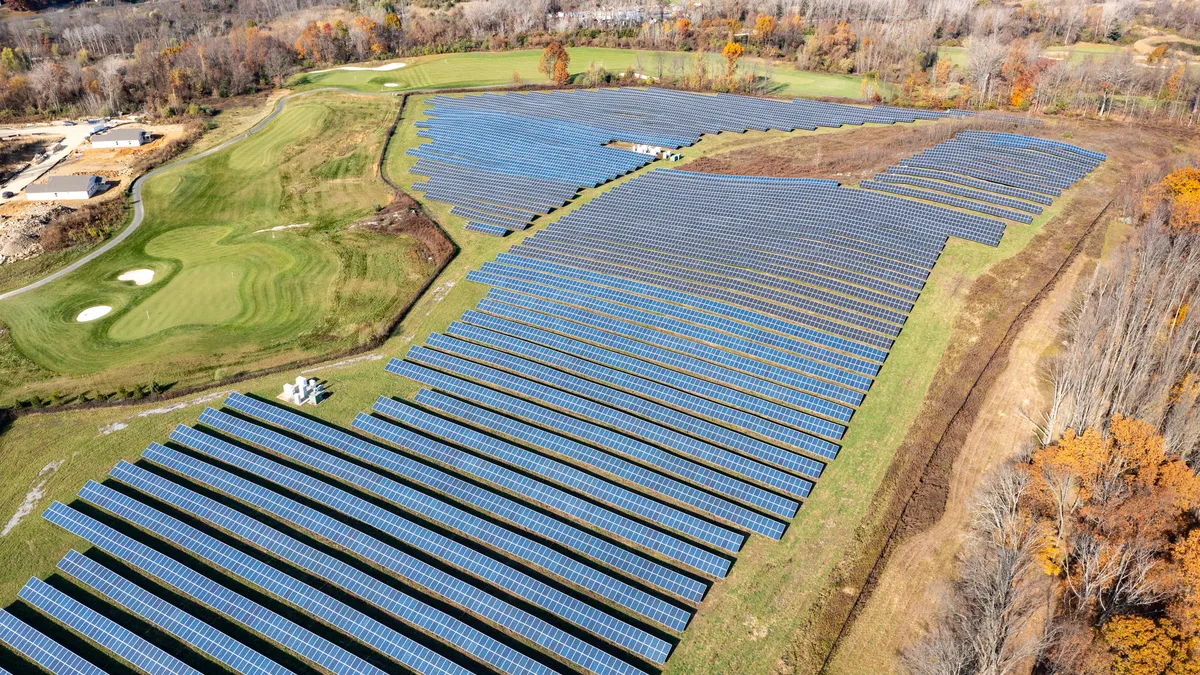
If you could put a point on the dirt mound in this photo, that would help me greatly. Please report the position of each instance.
(20, 236)
(405, 216)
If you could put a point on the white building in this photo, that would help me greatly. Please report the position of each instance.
(120, 137)
(65, 187)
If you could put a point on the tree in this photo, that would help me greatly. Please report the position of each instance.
(732, 52)
(764, 26)
(562, 76)
(1156, 55)
(552, 56)
(1179, 194)
(1141, 646)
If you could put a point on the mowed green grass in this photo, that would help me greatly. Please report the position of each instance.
(491, 69)
(230, 293)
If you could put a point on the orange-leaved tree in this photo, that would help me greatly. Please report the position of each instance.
(732, 52)
(1123, 545)
(1179, 195)
(553, 55)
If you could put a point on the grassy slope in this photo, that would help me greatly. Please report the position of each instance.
(773, 587)
(224, 291)
(481, 69)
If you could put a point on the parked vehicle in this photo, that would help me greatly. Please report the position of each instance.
(7, 194)
(68, 123)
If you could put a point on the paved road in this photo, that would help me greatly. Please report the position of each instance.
(139, 211)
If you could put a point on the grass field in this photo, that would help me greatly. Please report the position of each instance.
(748, 622)
(483, 69)
(1076, 52)
(230, 293)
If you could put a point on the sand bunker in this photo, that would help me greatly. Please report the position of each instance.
(390, 84)
(386, 66)
(138, 277)
(93, 313)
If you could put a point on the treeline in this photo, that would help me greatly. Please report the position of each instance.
(162, 55)
(1084, 554)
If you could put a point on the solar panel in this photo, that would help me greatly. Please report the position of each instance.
(567, 475)
(101, 630)
(517, 545)
(256, 573)
(172, 620)
(40, 649)
(353, 581)
(623, 444)
(401, 564)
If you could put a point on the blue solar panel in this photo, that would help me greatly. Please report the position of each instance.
(401, 564)
(535, 490)
(595, 458)
(42, 650)
(517, 545)
(622, 444)
(103, 631)
(567, 475)
(617, 418)
(349, 578)
(253, 571)
(195, 633)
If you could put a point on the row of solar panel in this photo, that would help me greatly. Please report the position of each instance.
(984, 171)
(283, 569)
(545, 140)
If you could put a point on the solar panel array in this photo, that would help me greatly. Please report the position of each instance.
(504, 159)
(641, 389)
(1003, 175)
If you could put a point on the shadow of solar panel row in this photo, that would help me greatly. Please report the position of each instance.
(1006, 170)
(545, 140)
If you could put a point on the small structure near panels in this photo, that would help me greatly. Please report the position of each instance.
(303, 391)
(65, 187)
(120, 138)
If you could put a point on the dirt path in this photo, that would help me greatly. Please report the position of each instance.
(915, 581)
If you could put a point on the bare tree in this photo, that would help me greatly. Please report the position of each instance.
(985, 56)
(987, 628)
